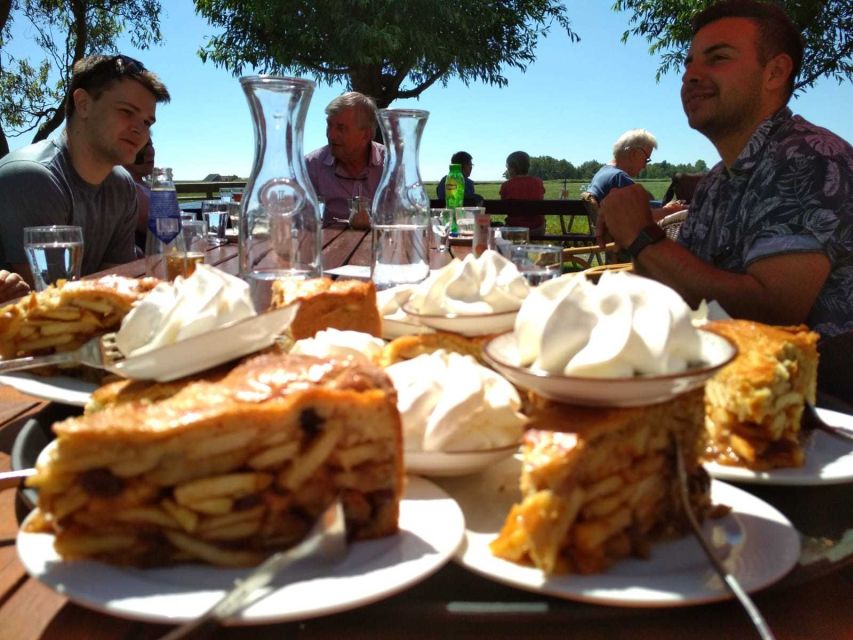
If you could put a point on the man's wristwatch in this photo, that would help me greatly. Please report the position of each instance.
(650, 234)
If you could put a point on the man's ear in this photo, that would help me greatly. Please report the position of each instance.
(82, 101)
(778, 71)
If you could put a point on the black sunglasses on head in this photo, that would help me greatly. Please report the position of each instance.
(123, 64)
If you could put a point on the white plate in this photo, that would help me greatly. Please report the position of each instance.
(399, 324)
(208, 350)
(372, 570)
(62, 389)
(467, 325)
(502, 353)
(456, 463)
(829, 460)
(756, 542)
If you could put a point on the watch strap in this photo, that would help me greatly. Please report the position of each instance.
(650, 234)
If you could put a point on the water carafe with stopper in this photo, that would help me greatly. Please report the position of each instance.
(280, 222)
(401, 215)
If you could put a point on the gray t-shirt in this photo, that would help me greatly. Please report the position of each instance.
(39, 186)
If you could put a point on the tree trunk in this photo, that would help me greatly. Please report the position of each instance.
(79, 31)
(5, 11)
(4, 143)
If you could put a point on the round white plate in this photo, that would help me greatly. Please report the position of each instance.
(400, 324)
(456, 463)
(372, 570)
(62, 389)
(502, 353)
(467, 325)
(755, 542)
(207, 350)
(829, 460)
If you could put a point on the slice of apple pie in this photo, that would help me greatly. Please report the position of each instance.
(600, 484)
(66, 315)
(226, 471)
(754, 406)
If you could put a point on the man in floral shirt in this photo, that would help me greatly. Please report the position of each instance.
(770, 230)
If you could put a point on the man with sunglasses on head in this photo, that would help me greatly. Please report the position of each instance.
(77, 178)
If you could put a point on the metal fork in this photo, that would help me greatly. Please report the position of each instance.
(728, 579)
(812, 419)
(324, 544)
(99, 352)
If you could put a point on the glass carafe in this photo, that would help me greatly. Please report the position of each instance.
(280, 222)
(401, 215)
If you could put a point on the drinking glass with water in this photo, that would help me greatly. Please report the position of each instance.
(538, 262)
(54, 253)
(215, 216)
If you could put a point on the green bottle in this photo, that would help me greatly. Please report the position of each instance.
(454, 194)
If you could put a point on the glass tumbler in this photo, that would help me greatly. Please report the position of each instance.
(538, 262)
(54, 253)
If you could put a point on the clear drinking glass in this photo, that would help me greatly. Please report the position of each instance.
(54, 253)
(538, 262)
(506, 237)
(183, 263)
(359, 213)
(280, 225)
(214, 213)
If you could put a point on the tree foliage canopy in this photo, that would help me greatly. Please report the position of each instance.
(387, 50)
(827, 28)
(549, 168)
(32, 94)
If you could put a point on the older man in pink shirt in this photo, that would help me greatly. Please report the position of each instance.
(351, 164)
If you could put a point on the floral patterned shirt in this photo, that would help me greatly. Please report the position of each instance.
(790, 190)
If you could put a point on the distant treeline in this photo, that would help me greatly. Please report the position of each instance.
(549, 168)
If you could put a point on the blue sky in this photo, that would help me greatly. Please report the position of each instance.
(572, 103)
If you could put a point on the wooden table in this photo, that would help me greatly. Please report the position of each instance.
(813, 601)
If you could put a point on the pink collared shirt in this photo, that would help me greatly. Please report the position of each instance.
(336, 187)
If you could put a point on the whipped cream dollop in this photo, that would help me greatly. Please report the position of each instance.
(334, 343)
(175, 311)
(473, 286)
(449, 402)
(390, 301)
(625, 325)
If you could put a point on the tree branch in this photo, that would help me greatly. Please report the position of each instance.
(426, 84)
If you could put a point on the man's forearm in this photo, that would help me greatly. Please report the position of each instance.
(741, 295)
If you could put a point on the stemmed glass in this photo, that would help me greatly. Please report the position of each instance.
(440, 223)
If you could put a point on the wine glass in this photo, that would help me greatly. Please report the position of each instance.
(440, 224)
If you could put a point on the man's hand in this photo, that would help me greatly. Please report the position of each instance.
(12, 286)
(622, 215)
(673, 206)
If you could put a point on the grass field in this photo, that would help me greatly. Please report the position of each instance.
(490, 191)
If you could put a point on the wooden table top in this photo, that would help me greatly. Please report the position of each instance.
(813, 601)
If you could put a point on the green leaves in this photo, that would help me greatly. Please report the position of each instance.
(827, 27)
(388, 50)
(32, 93)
